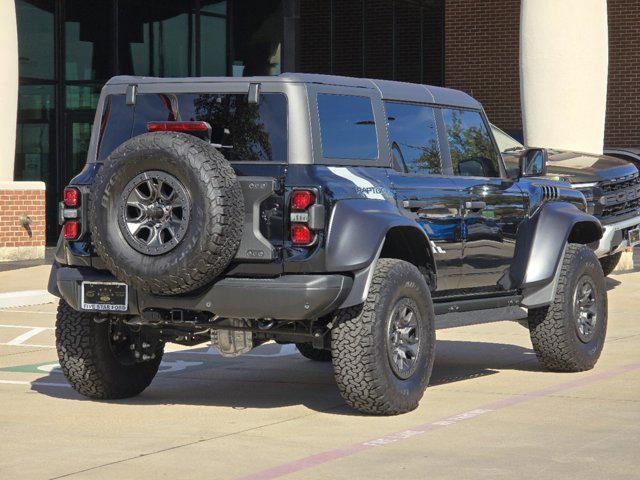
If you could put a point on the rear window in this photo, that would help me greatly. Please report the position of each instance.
(242, 131)
(347, 127)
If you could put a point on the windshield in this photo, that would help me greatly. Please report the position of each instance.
(505, 142)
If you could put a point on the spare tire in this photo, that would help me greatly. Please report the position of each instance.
(166, 213)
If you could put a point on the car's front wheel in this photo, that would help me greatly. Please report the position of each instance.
(569, 334)
(383, 350)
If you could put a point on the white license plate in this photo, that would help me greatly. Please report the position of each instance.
(104, 296)
(633, 236)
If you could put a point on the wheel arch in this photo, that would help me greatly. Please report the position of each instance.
(540, 245)
(363, 230)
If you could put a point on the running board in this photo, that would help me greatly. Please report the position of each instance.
(479, 317)
(471, 305)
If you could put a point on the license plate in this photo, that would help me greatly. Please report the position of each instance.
(634, 236)
(105, 296)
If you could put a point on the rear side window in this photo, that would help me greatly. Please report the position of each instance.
(472, 152)
(347, 127)
(414, 138)
(242, 131)
(115, 126)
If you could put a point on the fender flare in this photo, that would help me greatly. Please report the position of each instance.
(356, 236)
(540, 246)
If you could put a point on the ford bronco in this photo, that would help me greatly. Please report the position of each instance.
(348, 216)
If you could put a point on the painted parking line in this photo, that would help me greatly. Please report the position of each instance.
(31, 332)
(36, 383)
(25, 298)
(338, 453)
(20, 339)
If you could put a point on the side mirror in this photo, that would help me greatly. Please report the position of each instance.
(533, 162)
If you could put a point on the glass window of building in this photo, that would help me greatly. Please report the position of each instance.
(414, 137)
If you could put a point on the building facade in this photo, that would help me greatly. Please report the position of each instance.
(69, 48)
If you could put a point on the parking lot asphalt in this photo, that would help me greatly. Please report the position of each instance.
(490, 412)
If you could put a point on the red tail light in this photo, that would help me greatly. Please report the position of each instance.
(178, 127)
(71, 198)
(301, 234)
(302, 199)
(71, 230)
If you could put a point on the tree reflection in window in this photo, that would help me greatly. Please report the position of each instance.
(414, 137)
(245, 131)
(472, 152)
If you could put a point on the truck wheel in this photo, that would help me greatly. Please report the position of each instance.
(569, 334)
(315, 354)
(98, 361)
(610, 263)
(166, 213)
(383, 350)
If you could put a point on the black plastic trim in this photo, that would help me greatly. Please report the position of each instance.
(288, 297)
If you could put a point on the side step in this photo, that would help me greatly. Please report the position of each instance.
(456, 305)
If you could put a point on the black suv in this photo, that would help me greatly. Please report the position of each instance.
(348, 216)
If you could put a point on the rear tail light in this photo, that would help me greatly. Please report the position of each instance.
(69, 213)
(71, 229)
(301, 233)
(302, 199)
(71, 197)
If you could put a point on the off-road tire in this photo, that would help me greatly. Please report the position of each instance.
(553, 328)
(216, 216)
(609, 263)
(89, 363)
(315, 354)
(359, 339)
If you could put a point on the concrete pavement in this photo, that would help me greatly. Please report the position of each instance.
(491, 412)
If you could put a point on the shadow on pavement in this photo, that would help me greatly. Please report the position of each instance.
(280, 381)
(611, 283)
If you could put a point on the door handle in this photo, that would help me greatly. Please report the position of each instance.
(475, 205)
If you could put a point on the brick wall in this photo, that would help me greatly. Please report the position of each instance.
(16, 241)
(482, 56)
(623, 99)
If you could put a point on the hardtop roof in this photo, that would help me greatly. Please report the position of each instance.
(389, 90)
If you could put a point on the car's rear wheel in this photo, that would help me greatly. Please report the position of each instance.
(569, 334)
(383, 350)
(97, 356)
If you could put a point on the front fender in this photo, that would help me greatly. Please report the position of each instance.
(540, 245)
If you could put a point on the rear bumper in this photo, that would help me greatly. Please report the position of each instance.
(289, 297)
(614, 237)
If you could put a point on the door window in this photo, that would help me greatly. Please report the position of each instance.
(414, 138)
(347, 127)
(472, 151)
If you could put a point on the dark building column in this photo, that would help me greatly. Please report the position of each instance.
(291, 35)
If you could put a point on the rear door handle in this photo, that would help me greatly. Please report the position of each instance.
(475, 206)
